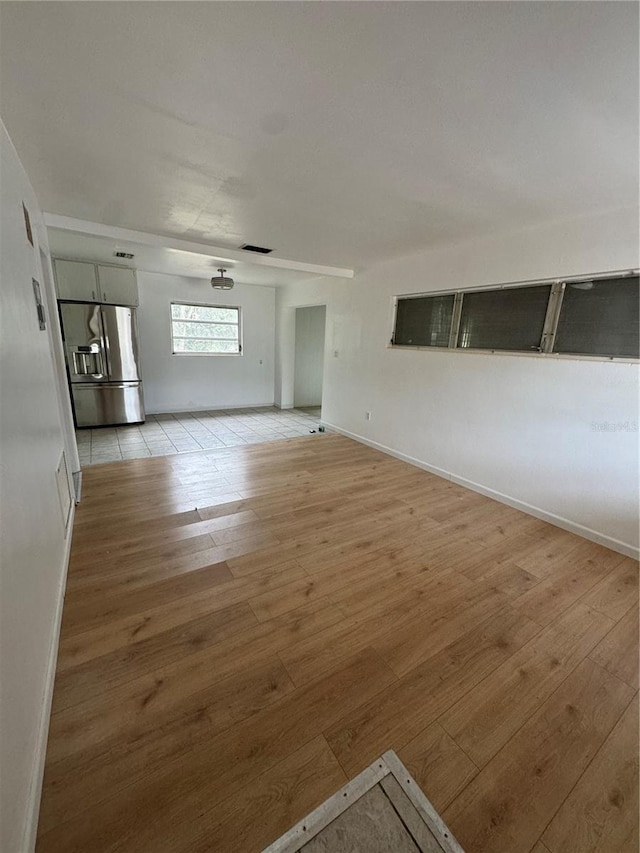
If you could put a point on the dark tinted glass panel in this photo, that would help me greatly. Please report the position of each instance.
(424, 321)
(600, 318)
(510, 319)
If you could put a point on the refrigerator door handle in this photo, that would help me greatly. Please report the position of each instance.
(98, 351)
(105, 344)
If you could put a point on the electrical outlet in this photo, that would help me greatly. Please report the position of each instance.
(367, 416)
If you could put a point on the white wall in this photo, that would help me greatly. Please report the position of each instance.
(191, 383)
(33, 546)
(309, 355)
(56, 344)
(519, 427)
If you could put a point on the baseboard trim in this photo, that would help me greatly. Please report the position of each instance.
(217, 408)
(625, 548)
(37, 775)
(77, 485)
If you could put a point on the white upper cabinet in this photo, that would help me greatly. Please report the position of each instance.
(76, 280)
(118, 285)
(82, 281)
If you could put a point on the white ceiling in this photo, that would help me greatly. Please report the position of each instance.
(334, 132)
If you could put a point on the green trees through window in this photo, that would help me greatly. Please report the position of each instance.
(205, 329)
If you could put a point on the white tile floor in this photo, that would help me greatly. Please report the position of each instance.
(163, 435)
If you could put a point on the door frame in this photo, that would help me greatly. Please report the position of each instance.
(56, 347)
(285, 351)
(324, 345)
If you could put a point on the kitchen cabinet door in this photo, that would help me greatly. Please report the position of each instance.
(118, 285)
(76, 280)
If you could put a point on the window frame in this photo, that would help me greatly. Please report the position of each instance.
(550, 324)
(410, 298)
(213, 322)
(565, 290)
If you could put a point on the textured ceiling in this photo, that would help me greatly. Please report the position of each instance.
(334, 132)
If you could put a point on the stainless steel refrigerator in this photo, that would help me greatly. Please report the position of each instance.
(101, 348)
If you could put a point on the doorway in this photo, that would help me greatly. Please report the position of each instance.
(309, 359)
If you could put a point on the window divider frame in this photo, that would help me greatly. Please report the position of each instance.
(552, 317)
(455, 320)
(205, 322)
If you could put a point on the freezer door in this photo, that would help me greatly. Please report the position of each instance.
(102, 405)
(83, 342)
(121, 343)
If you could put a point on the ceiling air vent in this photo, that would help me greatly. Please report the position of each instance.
(259, 249)
(126, 255)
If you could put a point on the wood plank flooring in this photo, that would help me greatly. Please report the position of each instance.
(247, 628)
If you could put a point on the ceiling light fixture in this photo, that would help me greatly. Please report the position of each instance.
(221, 282)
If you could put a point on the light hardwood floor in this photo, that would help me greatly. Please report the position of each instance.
(245, 629)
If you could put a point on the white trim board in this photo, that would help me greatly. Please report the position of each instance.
(222, 254)
(625, 548)
(219, 407)
(37, 773)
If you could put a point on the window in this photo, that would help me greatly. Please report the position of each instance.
(506, 319)
(424, 321)
(205, 329)
(600, 317)
(594, 316)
